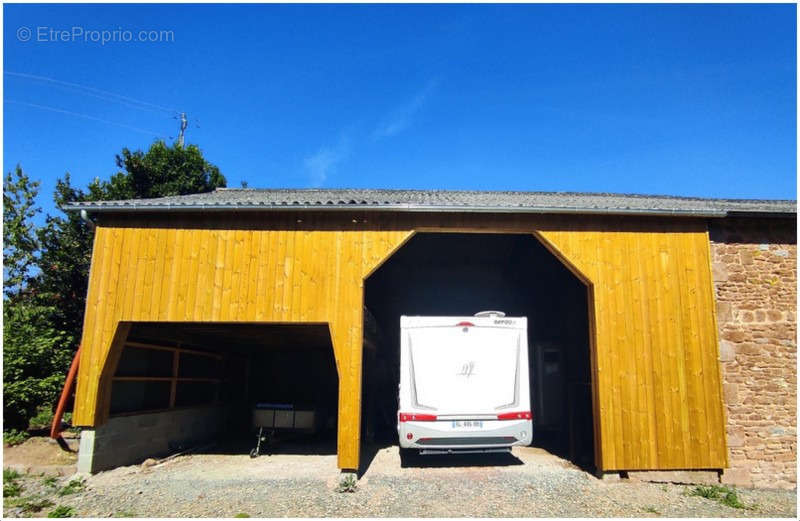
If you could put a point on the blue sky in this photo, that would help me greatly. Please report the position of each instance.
(673, 99)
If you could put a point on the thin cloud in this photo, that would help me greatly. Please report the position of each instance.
(324, 161)
(402, 117)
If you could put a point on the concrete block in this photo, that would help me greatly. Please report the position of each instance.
(609, 476)
(86, 450)
(127, 440)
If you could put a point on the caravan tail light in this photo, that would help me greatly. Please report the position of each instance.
(414, 417)
(465, 324)
(524, 415)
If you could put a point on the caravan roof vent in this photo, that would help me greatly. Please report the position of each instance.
(490, 314)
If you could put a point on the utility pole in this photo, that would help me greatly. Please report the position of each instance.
(184, 124)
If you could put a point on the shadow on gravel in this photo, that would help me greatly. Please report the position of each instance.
(368, 453)
(458, 460)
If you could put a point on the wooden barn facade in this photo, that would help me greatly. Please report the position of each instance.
(182, 289)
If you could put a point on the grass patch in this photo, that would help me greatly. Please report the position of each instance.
(726, 496)
(73, 487)
(50, 481)
(732, 499)
(31, 504)
(13, 437)
(11, 488)
(124, 513)
(62, 511)
(242, 514)
(652, 510)
(10, 474)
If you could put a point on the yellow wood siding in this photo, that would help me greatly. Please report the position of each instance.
(228, 275)
(656, 387)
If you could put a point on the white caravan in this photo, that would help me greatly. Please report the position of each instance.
(464, 383)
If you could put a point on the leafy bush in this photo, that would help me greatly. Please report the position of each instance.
(43, 418)
(36, 357)
(14, 437)
(62, 511)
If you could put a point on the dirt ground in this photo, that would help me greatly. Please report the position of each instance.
(226, 482)
(42, 454)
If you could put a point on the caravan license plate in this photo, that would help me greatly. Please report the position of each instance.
(468, 424)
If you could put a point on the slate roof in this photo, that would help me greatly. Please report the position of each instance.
(243, 199)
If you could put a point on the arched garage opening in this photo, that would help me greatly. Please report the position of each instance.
(461, 274)
(179, 385)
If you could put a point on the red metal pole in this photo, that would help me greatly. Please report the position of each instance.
(55, 428)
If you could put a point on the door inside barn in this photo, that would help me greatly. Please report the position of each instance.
(207, 379)
(454, 274)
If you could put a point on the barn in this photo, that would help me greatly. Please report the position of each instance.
(662, 338)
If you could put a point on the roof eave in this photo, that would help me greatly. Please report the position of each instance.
(133, 207)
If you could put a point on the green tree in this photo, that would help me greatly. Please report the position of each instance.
(66, 239)
(33, 354)
(66, 243)
(36, 356)
(161, 171)
(42, 325)
(20, 246)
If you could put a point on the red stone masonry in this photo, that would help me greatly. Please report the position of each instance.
(754, 264)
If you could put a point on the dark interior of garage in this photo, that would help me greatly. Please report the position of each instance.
(460, 275)
(241, 367)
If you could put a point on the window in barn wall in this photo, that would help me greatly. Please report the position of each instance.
(154, 377)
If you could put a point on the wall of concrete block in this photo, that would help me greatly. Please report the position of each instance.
(754, 262)
(128, 440)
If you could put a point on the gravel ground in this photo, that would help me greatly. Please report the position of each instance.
(531, 483)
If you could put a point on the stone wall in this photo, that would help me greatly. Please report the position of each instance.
(126, 440)
(754, 263)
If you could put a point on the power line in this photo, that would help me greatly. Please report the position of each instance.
(97, 93)
(85, 116)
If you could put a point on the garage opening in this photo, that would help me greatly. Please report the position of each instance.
(183, 385)
(461, 274)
